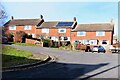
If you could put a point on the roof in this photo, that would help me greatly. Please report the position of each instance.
(94, 27)
(48, 24)
(57, 24)
(23, 22)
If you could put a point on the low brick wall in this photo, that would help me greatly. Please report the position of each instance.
(32, 41)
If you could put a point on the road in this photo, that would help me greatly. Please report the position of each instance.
(70, 65)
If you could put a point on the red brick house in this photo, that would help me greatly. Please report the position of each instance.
(56, 30)
(93, 34)
(26, 25)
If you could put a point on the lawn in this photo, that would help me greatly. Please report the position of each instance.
(12, 56)
(24, 44)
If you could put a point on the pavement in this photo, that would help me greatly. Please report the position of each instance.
(70, 65)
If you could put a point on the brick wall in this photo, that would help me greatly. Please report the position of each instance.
(31, 41)
(53, 32)
(92, 35)
(21, 28)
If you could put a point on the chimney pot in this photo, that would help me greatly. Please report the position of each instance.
(74, 18)
(12, 17)
(41, 16)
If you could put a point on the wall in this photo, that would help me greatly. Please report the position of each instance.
(31, 41)
(53, 32)
(21, 28)
(92, 35)
(73, 35)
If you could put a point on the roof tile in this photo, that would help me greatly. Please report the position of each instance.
(23, 22)
(94, 27)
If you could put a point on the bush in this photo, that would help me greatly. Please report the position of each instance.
(75, 45)
(9, 36)
(46, 43)
(20, 36)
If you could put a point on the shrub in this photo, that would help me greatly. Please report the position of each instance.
(20, 36)
(75, 45)
(9, 36)
(46, 42)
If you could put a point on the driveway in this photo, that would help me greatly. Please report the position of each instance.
(69, 65)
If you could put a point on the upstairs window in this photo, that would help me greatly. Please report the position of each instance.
(81, 33)
(45, 30)
(27, 27)
(100, 33)
(12, 28)
(62, 30)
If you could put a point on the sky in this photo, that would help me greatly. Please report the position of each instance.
(85, 12)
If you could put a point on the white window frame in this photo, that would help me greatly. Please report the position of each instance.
(78, 33)
(45, 30)
(13, 27)
(27, 27)
(97, 33)
(33, 35)
(59, 30)
(94, 42)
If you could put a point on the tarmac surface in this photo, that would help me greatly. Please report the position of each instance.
(69, 65)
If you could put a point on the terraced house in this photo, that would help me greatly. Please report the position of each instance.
(93, 34)
(27, 25)
(56, 30)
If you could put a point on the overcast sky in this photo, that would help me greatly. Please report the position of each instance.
(85, 12)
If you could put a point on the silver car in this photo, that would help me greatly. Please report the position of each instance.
(98, 49)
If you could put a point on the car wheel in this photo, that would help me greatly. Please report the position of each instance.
(104, 51)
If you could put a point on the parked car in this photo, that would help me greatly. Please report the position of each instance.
(114, 49)
(98, 49)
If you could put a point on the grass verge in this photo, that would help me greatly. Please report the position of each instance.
(24, 44)
(12, 57)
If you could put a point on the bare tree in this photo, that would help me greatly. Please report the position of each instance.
(3, 15)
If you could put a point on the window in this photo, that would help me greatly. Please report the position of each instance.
(45, 30)
(27, 27)
(100, 33)
(65, 38)
(104, 42)
(62, 30)
(12, 28)
(33, 35)
(76, 41)
(81, 33)
(84, 41)
(87, 42)
(93, 42)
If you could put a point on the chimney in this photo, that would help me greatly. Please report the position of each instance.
(74, 18)
(12, 17)
(41, 16)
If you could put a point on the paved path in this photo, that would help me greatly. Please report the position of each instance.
(70, 65)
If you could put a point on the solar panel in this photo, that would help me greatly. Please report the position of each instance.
(64, 24)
